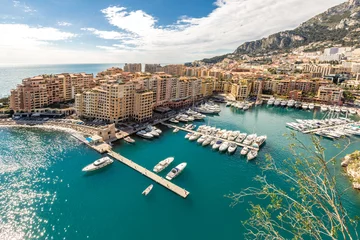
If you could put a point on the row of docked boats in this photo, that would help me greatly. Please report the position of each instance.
(208, 108)
(224, 140)
(339, 132)
(149, 132)
(338, 109)
(174, 171)
(188, 116)
(240, 105)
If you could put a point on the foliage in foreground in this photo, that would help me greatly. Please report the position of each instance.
(311, 207)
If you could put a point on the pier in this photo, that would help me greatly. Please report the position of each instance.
(165, 183)
(192, 131)
(324, 128)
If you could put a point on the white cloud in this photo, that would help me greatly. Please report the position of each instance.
(23, 6)
(21, 36)
(64, 24)
(230, 24)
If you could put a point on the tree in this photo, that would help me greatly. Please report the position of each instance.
(348, 96)
(312, 206)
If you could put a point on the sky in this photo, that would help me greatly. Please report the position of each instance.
(156, 31)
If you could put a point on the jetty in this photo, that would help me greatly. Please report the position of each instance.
(192, 131)
(324, 128)
(165, 183)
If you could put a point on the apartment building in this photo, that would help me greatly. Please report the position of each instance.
(151, 68)
(207, 88)
(41, 91)
(241, 90)
(132, 67)
(330, 94)
(173, 69)
(143, 106)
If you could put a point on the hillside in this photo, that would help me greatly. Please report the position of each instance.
(338, 25)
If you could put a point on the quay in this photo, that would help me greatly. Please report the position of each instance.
(192, 131)
(165, 183)
(324, 128)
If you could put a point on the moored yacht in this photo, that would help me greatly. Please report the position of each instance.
(241, 137)
(260, 140)
(128, 139)
(250, 139)
(224, 146)
(163, 164)
(176, 130)
(100, 163)
(244, 151)
(297, 104)
(277, 102)
(188, 135)
(305, 106)
(283, 103)
(311, 106)
(324, 108)
(202, 139)
(207, 141)
(232, 148)
(217, 144)
(176, 171)
(271, 101)
(252, 154)
(173, 120)
(194, 137)
(144, 134)
(291, 103)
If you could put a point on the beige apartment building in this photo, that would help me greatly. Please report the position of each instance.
(151, 68)
(143, 106)
(41, 91)
(132, 67)
(330, 94)
(207, 88)
(241, 90)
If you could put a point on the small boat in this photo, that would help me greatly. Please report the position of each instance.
(100, 163)
(144, 134)
(207, 141)
(201, 139)
(297, 104)
(244, 151)
(173, 120)
(241, 137)
(337, 109)
(228, 104)
(252, 154)
(283, 103)
(271, 101)
(194, 136)
(176, 171)
(260, 140)
(232, 148)
(163, 164)
(277, 102)
(352, 111)
(305, 106)
(129, 140)
(147, 190)
(187, 136)
(212, 142)
(291, 103)
(311, 106)
(324, 108)
(224, 146)
(217, 144)
(176, 130)
(250, 139)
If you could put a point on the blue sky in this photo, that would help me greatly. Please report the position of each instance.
(88, 31)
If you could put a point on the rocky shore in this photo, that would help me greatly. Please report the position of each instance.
(351, 163)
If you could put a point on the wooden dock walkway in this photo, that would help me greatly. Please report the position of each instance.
(324, 128)
(165, 183)
(192, 131)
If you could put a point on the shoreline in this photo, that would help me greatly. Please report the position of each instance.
(351, 165)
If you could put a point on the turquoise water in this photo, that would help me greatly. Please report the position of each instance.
(44, 194)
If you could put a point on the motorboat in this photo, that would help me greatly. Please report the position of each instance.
(202, 139)
(207, 141)
(344, 110)
(311, 106)
(259, 102)
(297, 104)
(233, 135)
(250, 139)
(337, 109)
(352, 111)
(277, 102)
(144, 134)
(228, 104)
(176, 171)
(152, 131)
(147, 190)
(224, 146)
(260, 140)
(291, 103)
(173, 120)
(246, 107)
(128, 139)
(176, 130)
(213, 142)
(194, 137)
(283, 103)
(217, 144)
(271, 101)
(100, 163)
(324, 108)
(163, 164)
(187, 136)
(244, 151)
(305, 106)
(232, 148)
(241, 137)
(252, 154)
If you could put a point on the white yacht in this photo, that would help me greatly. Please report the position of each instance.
(244, 151)
(128, 139)
(173, 120)
(297, 104)
(311, 106)
(252, 154)
(163, 164)
(232, 148)
(344, 110)
(202, 139)
(176, 171)
(271, 101)
(260, 140)
(291, 103)
(277, 102)
(188, 135)
(176, 130)
(224, 146)
(217, 144)
(324, 108)
(337, 109)
(352, 111)
(246, 107)
(207, 141)
(100, 163)
(283, 103)
(228, 104)
(144, 134)
(147, 190)
(194, 136)
(152, 131)
(250, 139)
(241, 137)
(305, 106)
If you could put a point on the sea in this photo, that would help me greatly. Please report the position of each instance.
(45, 195)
